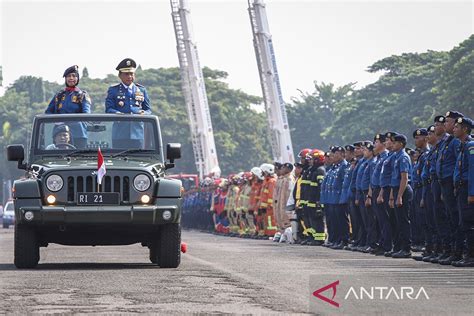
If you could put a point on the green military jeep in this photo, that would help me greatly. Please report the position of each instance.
(60, 200)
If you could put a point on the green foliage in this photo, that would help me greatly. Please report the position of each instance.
(239, 130)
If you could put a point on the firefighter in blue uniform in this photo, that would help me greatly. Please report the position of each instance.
(72, 100)
(358, 231)
(433, 240)
(360, 200)
(385, 239)
(401, 194)
(463, 181)
(341, 220)
(346, 189)
(130, 98)
(419, 214)
(445, 164)
(443, 248)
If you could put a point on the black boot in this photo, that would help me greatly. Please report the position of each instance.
(443, 255)
(455, 256)
(468, 261)
(427, 252)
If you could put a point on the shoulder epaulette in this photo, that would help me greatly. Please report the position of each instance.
(139, 85)
(115, 85)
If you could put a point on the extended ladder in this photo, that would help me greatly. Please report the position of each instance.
(278, 128)
(194, 91)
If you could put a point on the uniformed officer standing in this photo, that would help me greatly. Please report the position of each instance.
(341, 220)
(130, 98)
(401, 194)
(463, 179)
(385, 239)
(358, 230)
(433, 241)
(445, 163)
(72, 100)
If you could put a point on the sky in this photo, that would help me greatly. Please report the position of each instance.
(325, 41)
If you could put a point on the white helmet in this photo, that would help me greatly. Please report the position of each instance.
(268, 168)
(256, 171)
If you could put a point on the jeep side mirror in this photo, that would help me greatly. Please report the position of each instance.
(16, 153)
(173, 151)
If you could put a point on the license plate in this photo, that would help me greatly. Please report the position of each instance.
(107, 198)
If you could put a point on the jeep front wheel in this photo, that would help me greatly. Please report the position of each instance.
(26, 247)
(169, 246)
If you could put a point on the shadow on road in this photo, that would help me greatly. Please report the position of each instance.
(84, 266)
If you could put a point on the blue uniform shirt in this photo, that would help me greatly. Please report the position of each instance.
(346, 184)
(386, 172)
(65, 102)
(338, 180)
(369, 169)
(121, 100)
(375, 177)
(329, 185)
(354, 174)
(470, 176)
(447, 155)
(461, 170)
(401, 163)
(360, 174)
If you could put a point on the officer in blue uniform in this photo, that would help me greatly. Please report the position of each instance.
(130, 98)
(384, 195)
(445, 164)
(341, 220)
(358, 230)
(360, 200)
(346, 195)
(385, 239)
(463, 182)
(433, 239)
(417, 216)
(401, 194)
(72, 100)
(420, 224)
(441, 215)
(368, 215)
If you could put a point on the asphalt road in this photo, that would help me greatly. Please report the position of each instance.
(228, 275)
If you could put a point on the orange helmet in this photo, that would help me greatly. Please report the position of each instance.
(304, 152)
(317, 155)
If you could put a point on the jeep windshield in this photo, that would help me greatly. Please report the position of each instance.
(83, 134)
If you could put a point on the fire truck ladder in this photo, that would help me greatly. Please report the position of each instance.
(194, 91)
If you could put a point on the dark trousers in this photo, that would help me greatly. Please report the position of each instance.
(441, 218)
(355, 220)
(402, 215)
(341, 219)
(431, 230)
(450, 204)
(385, 236)
(392, 219)
(417, 218)
(368, 217)
(467, 216)
(300, 218)
(313, 218)
(361, 236)
(329, 216)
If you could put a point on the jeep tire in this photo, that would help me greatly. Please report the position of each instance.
(169, 246)
(154, 252)
(26, 247)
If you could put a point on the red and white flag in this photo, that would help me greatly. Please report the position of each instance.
(100, 167)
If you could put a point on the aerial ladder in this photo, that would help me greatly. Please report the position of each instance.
(278, 128)
(194, 91)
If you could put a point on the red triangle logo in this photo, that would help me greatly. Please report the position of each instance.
(332, 286)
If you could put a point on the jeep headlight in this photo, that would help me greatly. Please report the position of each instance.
(141, 182)
(54, 183)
